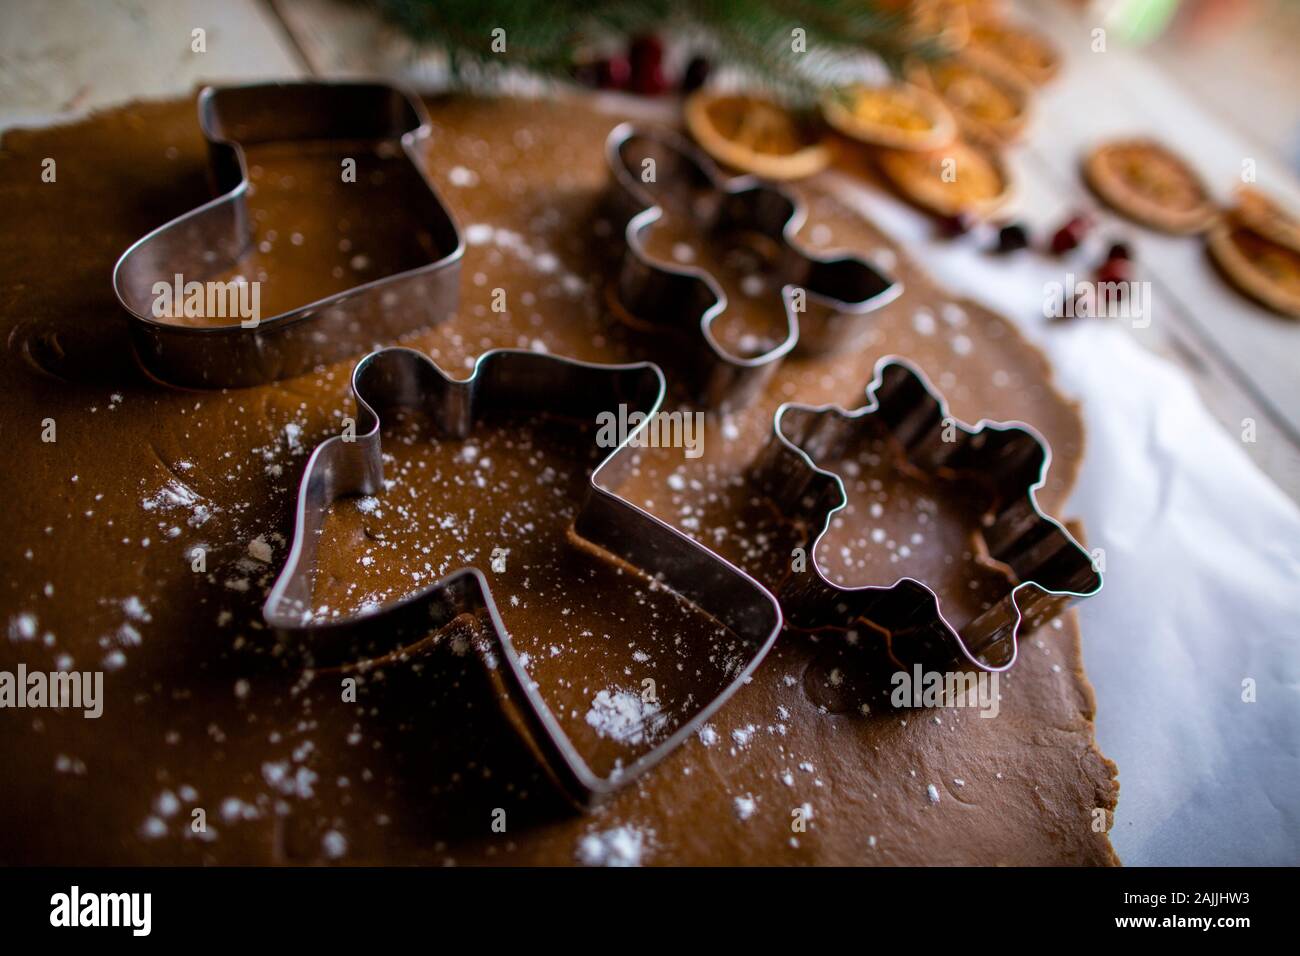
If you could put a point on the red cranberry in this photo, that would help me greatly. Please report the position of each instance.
(1115, 270)
(955, 225)
(648, 80)
(696, 75)
(613, 73)
(645, 50)
(1011, 238)
(1070, 235)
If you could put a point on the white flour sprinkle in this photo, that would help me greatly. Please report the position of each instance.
(259, 550)
(166, 804)
(22, 627)
(234, 809)
(73, 765)
(174, 495)
(885, 258)
(133, 608)
(621, 846)
(625, 717)
(298, 783)
(460, 176)
(953, 314)
(745, 807)
(128, 636)
(932, 792)
(334, 844)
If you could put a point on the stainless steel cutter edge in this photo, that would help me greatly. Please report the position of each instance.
(734, 380)
(329, 329)
(786, 470)
(338, 468)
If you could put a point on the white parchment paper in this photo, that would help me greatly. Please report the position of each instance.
(1202, 584)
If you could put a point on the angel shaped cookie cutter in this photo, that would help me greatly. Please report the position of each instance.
(504, 380)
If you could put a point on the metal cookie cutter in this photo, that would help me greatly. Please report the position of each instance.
(838, 291)
(1010, 459)
(211, 240)
(506, 379)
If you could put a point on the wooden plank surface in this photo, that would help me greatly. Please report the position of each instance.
(342, 39)
(1229, 68)
(62, 59)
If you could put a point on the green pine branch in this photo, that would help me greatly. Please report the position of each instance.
(546, 37)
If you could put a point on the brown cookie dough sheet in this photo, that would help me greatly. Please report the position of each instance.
(99, 529)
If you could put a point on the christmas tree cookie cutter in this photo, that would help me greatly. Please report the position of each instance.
(827, 298)
(1049, 567)
(506, 380)
(211, 240)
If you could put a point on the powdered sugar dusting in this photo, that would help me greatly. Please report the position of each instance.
(745, 807)
(620, 846)
(625, 717)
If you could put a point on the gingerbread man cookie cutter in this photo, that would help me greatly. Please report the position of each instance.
(504, 380)
(1049, 567)
(212, 240)
(827, 298)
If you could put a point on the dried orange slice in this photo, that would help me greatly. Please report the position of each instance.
(1026, 51)
(967, 176)
(1150, 184)
(945, 24)
(898, 116)
(1262, 214)
(981, 8)
(755, 135)
(1257, 247)
(983, 93)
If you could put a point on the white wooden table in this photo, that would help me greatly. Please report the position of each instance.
(60, 59)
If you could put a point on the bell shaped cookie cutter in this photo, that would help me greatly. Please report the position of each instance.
(1050, 568)
(827, 298)
(212, 239)
(506, 379)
